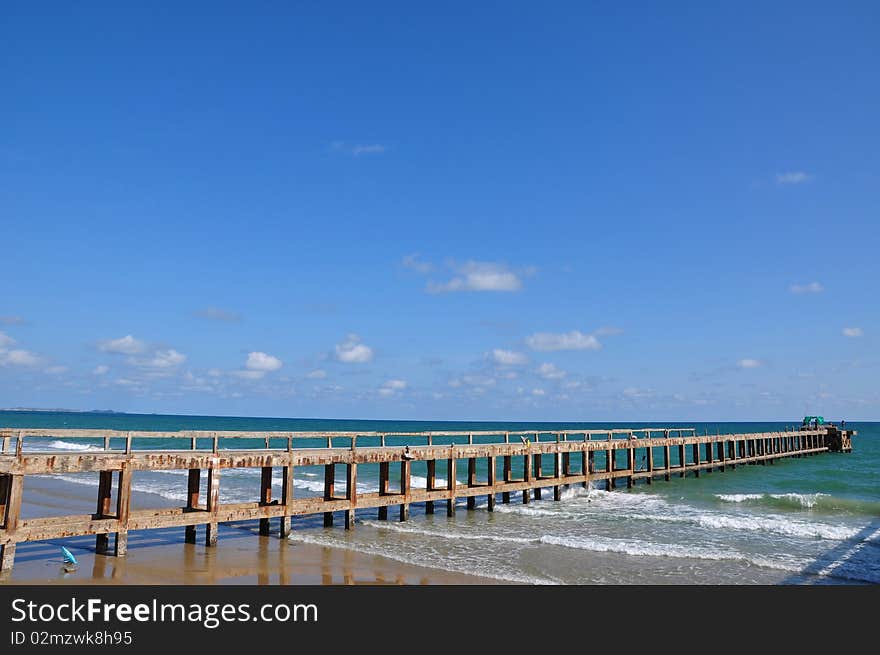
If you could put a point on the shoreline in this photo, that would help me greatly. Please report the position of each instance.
(161, 557)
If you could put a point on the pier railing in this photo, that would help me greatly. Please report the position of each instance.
(577, 457)
(13, 439)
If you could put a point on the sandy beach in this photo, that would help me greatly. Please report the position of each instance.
(160, 557)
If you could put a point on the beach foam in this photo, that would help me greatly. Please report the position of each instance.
(467, 567)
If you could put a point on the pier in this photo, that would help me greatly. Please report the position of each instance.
(527, 463)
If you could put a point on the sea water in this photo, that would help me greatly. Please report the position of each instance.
(812, 520)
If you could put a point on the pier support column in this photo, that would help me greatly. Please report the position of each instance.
(609, 468)
(539, 472)
(265, 495)
(631, 466)
(666, 463)
(351, 494)
(286, 499)
(11, 487)
(193, 483)
(102, 511)
(505, 495)
(472, 481)
(212, 505)
(432, 479)
(450, 486)
(527, 476)
(405, 471)
(384, 474)
(329, 490)
(682, 459)
(557, 489)
(586, 466)
(696, 450)
(650, 463)
(710, 445)
(123, 510)
(490, 499)
(721, 455)
(566, 464)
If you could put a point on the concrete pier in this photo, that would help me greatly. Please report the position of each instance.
(115, 468)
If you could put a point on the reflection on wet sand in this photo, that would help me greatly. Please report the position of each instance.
(243, 557)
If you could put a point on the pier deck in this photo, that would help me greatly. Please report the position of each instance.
(578, 458)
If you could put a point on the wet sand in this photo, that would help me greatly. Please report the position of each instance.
(160, 557)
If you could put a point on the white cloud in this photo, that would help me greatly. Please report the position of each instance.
(12, 320)
(538, 392)
(368, 149)
(317, 374)
(550, 372)
(508, 357)
(574, 340)
(793, 177)
(250, 375)
(6, 340)
(19, 358)
(749, 363)
(261, 362)
(126, 345)
(101, 370)
(164, 359)
(479, 276)
(413, 262)
(853, 332)
(358, 149)
(218, 314)
(478, 381)
(56, 370)
(352, 351)
(812, 287)
(636, 392)
(392, 386)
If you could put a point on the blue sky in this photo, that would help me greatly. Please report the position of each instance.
(582, 211)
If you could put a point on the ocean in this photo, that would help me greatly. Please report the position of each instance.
(813, 520)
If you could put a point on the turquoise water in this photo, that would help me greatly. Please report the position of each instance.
(812, 520)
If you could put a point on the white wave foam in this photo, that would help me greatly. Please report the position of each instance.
(142, 487)
(444, 534)
(67, 445)
(738, 498)
(770, 523)
(434, 563)
(417, 481)
(649, 549)
(807, 501)
(649, 507)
